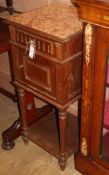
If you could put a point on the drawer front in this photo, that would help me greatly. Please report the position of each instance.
(42, 45)
(48, 47)
(38, 73)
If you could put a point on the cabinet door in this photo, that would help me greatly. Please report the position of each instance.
(37, 73)
(100, 112)
(105, 116)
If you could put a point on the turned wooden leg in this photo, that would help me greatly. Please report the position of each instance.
(62, 126)
(23, 107)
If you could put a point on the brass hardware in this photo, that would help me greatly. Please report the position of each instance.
(105, 17)
(31, 48)
(21, 66)
(84, 147)
(29, 106)
(88, 42)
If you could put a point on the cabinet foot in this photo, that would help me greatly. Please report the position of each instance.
(10, 134)
(62, 161)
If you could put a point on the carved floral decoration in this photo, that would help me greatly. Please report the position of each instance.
(88, 42)
(84, 147)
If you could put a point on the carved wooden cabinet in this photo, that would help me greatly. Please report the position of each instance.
(93, 156)
(53, 71)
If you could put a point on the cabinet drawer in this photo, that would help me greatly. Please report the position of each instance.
(38, 73)
(42, 45)
(50, 48)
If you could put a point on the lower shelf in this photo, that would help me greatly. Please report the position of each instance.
(45, 134)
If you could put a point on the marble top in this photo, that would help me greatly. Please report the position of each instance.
(59, 20)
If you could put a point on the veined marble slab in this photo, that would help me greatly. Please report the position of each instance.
(59, 20)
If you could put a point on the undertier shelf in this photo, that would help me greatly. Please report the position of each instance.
(45, 133)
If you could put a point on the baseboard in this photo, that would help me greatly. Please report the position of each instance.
(7, 94)
(5, 82)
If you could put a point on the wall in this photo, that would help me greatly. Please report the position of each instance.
(5, 77)
(22, 5)
(64, 1)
